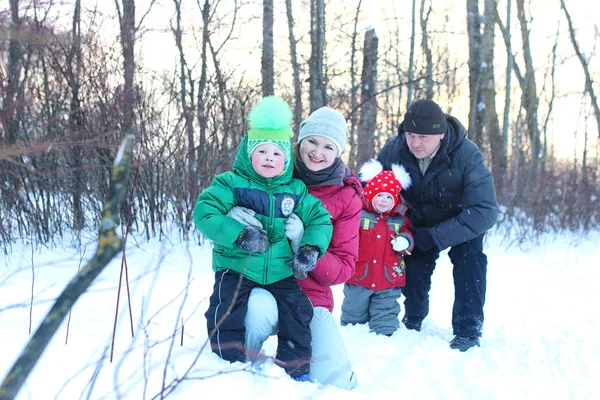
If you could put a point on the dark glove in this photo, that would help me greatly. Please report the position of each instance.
(304, 261)
(253, 240)
(423, 239)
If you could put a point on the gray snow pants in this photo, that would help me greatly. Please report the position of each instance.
(379, 308)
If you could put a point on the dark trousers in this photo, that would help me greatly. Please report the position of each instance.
(469, 271)
(227, 330)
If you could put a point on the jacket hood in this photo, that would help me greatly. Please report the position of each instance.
(242, 165)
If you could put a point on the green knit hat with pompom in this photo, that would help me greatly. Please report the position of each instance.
(270, 123)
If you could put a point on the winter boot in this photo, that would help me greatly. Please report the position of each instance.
(412, 325)
(464, 343)
(303, 378)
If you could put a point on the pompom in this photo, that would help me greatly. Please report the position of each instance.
(402, 176)
(272, 112)
(369, 170)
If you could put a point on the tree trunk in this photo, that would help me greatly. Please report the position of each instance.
(426, 51)
(476, 71)
(11, 123)
(202, 151)
(353, 91)
(317, 40)
(127, 23)
(530, 98)
(499, 161)
(411, 59)
(75, 117)
(368, 111)
(268, 75)
(187, 109)
(589, 83)
(295, 68)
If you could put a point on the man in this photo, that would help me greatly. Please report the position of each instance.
(453, 204)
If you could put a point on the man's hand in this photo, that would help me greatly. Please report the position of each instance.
(423, 239)
(294, 231)
(253, 240)
(245, 216)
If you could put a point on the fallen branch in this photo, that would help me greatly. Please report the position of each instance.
(109, 245)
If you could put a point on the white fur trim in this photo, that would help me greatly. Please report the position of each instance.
(402, 175)
(369, 170)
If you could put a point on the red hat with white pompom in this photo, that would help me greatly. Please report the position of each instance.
(383, 181)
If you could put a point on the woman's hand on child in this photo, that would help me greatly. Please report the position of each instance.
(245, 216)
(253, 240)
(294, 231)
(400, 243)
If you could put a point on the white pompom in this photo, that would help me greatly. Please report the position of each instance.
(402, 175)
(369, 170)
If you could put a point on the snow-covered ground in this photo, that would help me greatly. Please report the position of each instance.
(541, 333)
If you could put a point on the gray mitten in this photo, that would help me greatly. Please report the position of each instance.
(304, 261)
(253, 240)
(294, 231)
(245, 216)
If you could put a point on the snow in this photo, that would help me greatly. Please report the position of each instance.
(541, 335)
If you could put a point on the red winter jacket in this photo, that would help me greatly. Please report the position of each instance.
(344, 203)
(378, 266)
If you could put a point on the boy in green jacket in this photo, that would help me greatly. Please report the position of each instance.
(247, 257)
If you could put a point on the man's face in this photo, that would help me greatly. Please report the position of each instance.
(422, 146)
(268, 160)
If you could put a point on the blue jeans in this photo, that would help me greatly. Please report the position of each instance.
(329, 364)
(469, 272)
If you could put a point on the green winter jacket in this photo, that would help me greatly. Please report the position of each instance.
(273, 200)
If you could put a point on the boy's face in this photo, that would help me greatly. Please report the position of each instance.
(268, 160)
(383, 202)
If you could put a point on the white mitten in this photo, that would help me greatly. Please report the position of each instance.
(294, 231)
(400, 243)
(245, 216)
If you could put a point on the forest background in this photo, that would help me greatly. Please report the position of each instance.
(77, 76)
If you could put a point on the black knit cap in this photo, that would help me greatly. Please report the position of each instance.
(425, 117)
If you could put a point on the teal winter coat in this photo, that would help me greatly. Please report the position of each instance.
(273, 200)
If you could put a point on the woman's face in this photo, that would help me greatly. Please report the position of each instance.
(317, 152)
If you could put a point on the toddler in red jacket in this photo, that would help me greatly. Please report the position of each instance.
(372, 294)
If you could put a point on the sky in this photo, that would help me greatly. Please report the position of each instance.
(541, 336)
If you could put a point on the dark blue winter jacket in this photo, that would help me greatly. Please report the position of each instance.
(455, 198)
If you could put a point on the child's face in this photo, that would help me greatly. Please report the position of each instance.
(317, 152)
(383, 202)
(268, 160)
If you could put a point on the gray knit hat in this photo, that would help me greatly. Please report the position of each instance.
(328, 123)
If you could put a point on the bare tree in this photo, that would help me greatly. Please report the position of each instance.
(488, 94)
(295, 67)
(128, 31)
(268, 74)
(318, 96)
(368, 111)
(202, 120)
(411, 58)
(76, 116)
(529, 87)
(476, 70)
(10, 103)
(589, 83)
(353, 92)
(426, 50)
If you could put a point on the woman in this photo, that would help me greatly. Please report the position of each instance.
(321, 140)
